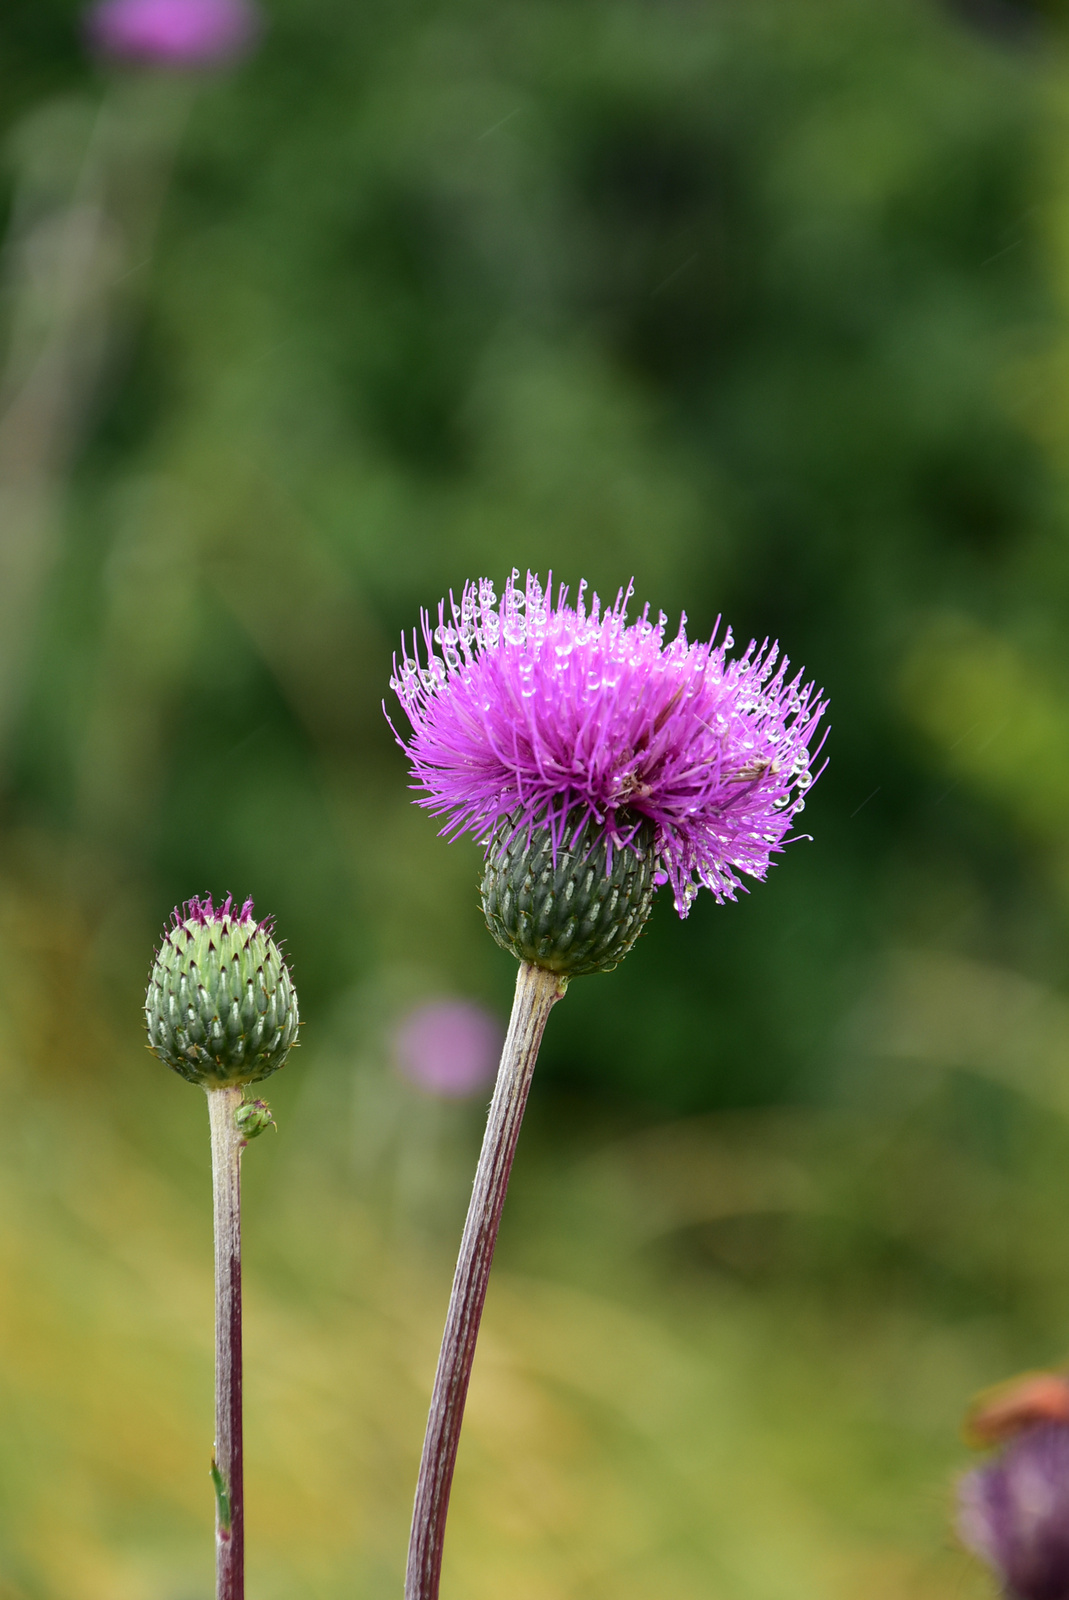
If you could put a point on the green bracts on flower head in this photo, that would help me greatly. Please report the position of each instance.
(574, 907)
(221, 1007)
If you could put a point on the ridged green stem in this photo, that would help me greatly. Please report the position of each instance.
(536, 993)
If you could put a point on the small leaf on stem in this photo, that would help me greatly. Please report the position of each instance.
(222, 1499)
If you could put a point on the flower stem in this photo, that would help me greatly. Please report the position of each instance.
(536, 993)
(227, 1145)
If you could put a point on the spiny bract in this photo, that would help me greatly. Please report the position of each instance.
(575, 909)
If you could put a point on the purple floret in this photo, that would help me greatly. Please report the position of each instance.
(1014, 1512)
(558, 714)
(202, 912)
(173, 33)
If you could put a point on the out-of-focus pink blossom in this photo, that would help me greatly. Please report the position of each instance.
(173, 33)
(448, 1047)
(1014, 1513)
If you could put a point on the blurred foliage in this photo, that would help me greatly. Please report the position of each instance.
(765, 305)
(742, 302)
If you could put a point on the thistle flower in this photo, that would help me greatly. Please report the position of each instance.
(448, 1047)
(593, 759)
(605, 739)
(220, 1007)
(1014, 1513)
(173, 33)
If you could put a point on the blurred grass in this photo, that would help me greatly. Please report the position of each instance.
(723, 1356)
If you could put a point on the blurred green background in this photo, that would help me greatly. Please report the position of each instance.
(764, 304)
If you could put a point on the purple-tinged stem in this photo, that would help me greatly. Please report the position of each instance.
(227, 1145)
(537, 991)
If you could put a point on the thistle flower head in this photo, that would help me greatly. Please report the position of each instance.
(220, 1007)
(173, 33)
(532, 715)
(1014, 1513)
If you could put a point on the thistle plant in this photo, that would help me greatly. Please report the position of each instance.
(221, 1011)
(595, 760)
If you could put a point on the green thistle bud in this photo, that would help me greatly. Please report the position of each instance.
(252, 1117)
(221, 1007)
(575, 908)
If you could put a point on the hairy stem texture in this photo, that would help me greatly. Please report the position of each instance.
(536, 992)
(227, 1145)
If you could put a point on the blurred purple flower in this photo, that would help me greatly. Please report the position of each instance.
(449, 1047)
(561, 714)
(173, 33)
(1014, 1513)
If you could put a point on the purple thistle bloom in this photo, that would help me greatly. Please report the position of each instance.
(566, 715)
(1014, 1513)
(173, 33)
(449, 1047)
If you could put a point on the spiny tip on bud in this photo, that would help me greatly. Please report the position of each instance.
(570, 899)
(221, 1007)
(252, 1117)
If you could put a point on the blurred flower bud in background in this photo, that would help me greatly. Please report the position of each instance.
(173, 33)
(448, 1047)
(1014, 1513)
(1001, 1412)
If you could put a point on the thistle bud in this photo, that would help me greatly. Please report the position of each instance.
(221, 1007)
(573, 904)
(252, 1117)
